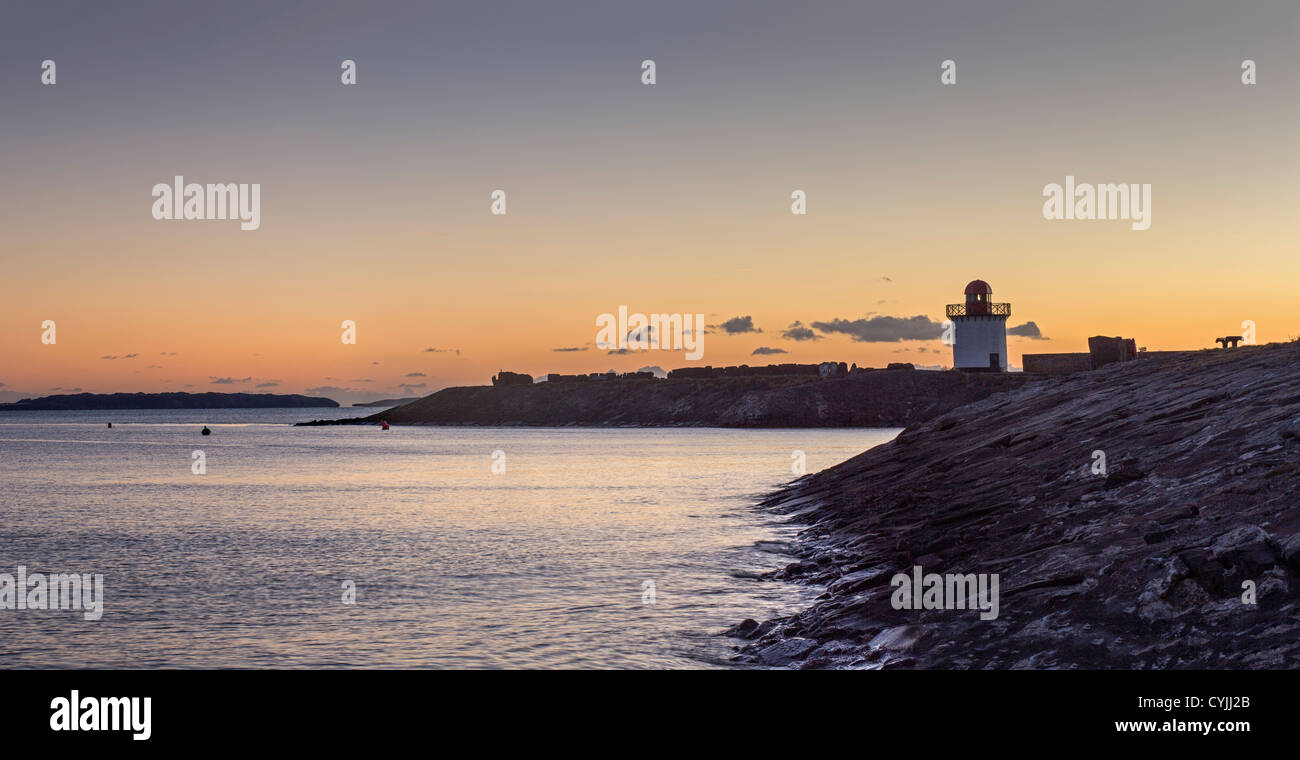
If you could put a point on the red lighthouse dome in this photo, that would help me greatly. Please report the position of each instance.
(978, 296)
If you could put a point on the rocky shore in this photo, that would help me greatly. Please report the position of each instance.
(1145, 560)
(879, 398)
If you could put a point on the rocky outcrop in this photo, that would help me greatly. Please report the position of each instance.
(1143, 559)
(881, 398)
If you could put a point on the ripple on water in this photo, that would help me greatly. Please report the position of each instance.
(545, 565)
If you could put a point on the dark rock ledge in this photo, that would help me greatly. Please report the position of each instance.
(1140, 567)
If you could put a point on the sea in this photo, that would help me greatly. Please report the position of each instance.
(265, 545)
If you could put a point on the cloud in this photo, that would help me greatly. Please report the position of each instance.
(416, 374)
(764, 350)
(1027, 330)
(130, 356)
(884, 329)
(642, 335)
(362, 380)
(797, 331)
(568, 349)
(323, 389)
(268, 384)
(229, 380)
(412, 386)
(442, 351)
(108, 357)
(886, 279)
(656, 369)
(738, 325)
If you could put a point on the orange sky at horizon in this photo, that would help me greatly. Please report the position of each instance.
(273, 317)
(286, 329)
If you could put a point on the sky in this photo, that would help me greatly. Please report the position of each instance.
(666, 198)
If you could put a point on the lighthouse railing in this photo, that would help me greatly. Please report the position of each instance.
(982, 309)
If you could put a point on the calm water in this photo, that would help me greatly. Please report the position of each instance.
(454, 566)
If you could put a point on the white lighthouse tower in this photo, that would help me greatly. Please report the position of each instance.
(980, 335)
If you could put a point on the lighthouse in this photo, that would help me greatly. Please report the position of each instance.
(980, 330)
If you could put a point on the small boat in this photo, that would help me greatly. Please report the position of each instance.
(383, 424)
(205, 431)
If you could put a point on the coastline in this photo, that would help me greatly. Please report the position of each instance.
(878, 398)
(1142, 565)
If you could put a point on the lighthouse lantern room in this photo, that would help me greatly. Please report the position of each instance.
(980, 330)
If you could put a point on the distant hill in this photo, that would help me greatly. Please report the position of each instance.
(390, 401)
(76, 401)
(879, 398)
